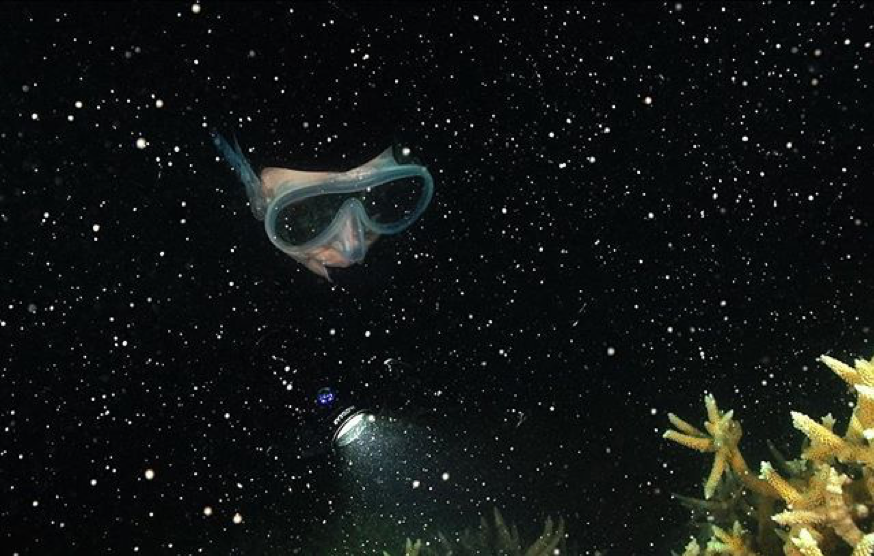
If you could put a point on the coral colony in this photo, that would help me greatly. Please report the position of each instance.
(494, 539)
(816, 505)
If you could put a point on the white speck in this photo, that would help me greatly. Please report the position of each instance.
(611, 351)
(34, 116)
(367, 333)
(141, 143)
(744, 138)
(207, 510)
(445, 476)
(706, 40)
(149, 474)
(93, 482)
(332, 332)
(647, 100)
(159, 103)
(238, 518)
(78, 104)
(788, 144)
(195, 8)
(476, 18)
(416, 484)
(95, 228)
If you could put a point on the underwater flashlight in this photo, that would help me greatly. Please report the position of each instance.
(349, 425)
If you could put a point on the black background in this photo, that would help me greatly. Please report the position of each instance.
(590, 261)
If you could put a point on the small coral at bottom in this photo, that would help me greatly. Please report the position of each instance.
(815, 505)
(493, 540)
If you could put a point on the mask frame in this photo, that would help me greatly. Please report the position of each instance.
(378, 172)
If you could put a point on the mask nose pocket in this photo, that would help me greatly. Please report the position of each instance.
(350, 239)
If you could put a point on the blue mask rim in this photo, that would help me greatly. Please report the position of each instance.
(348, 182)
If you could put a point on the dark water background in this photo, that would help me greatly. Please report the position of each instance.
(591, 261)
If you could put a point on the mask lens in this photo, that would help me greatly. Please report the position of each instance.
(393, 202)
(300, 222)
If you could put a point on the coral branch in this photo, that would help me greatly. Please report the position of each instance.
(823, 500)
(722, 437)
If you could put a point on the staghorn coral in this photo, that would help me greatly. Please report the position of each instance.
(817, 505)
(496, 539)
(722, 437)
(729, 503)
